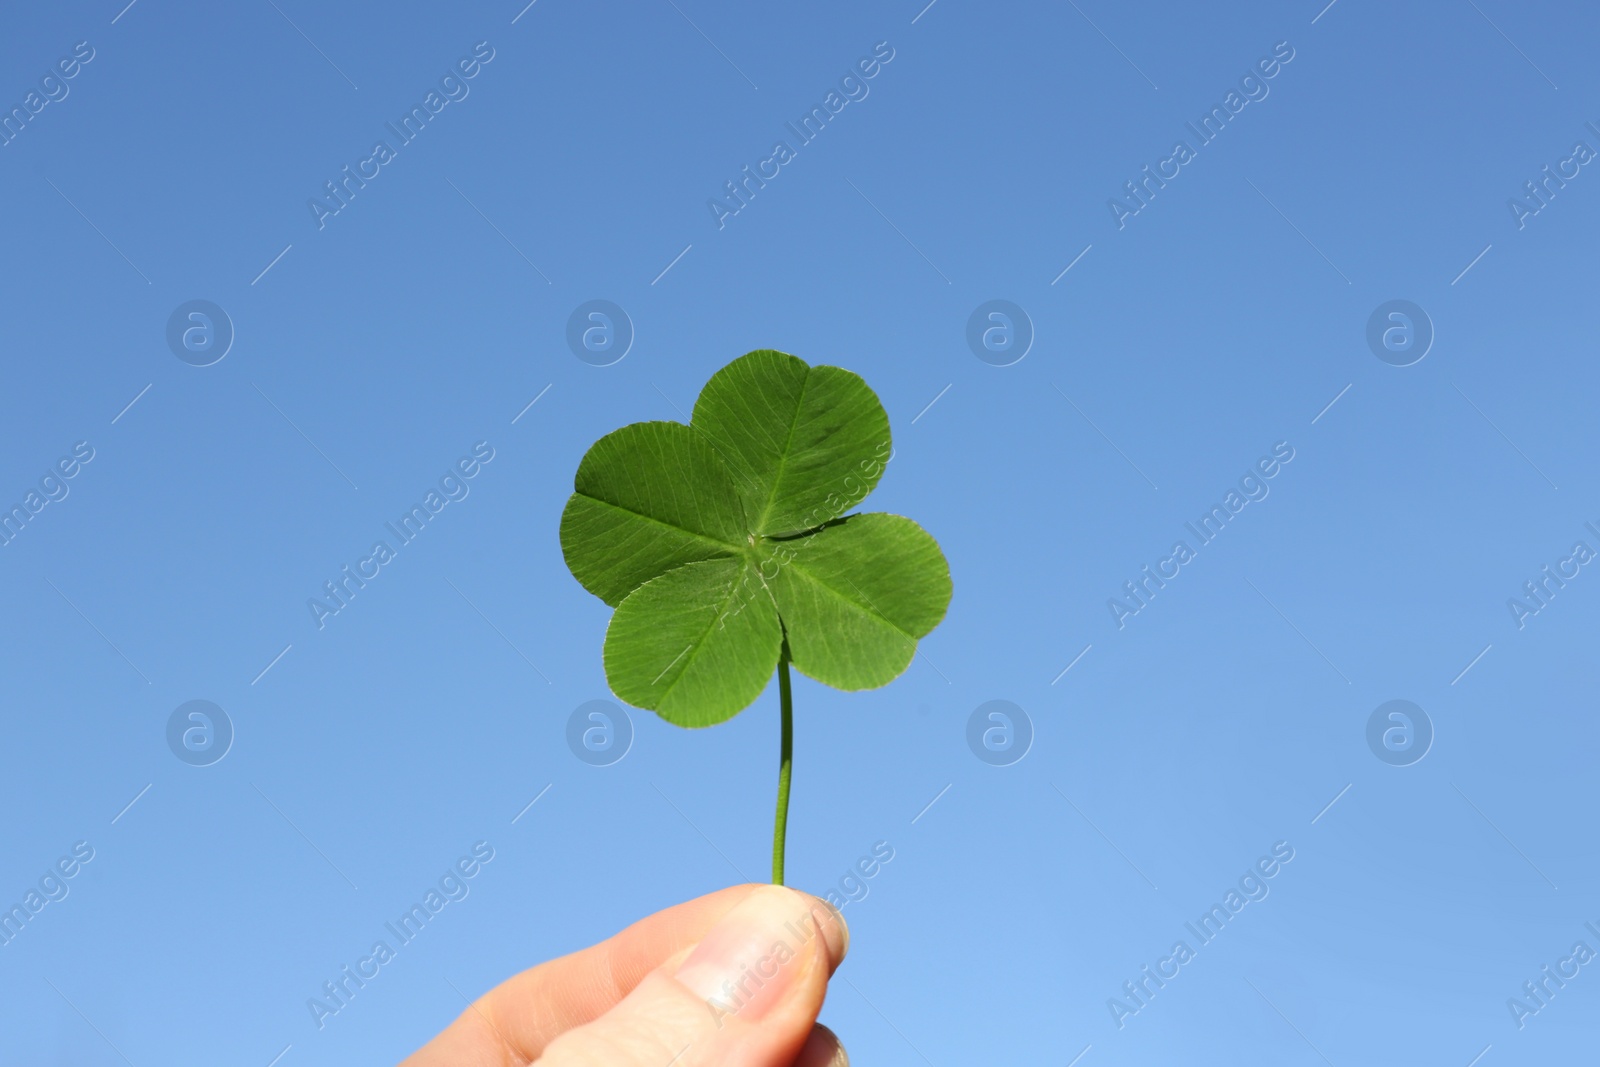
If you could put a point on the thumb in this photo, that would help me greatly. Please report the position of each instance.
(746, 996)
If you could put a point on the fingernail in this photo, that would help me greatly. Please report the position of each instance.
(823, 1049)
(835, 931)
(755, 956)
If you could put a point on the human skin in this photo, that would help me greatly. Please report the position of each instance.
(732, 979)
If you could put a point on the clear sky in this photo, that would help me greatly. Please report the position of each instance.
(1227, 316)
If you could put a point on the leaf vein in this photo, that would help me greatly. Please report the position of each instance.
(732, 548)
(699, 643)
(783, 457)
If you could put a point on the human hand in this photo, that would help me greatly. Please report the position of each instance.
(732, 979)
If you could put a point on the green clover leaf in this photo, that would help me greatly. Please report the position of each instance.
(727, 548)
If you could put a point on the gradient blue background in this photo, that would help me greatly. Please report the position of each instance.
(1195, 338)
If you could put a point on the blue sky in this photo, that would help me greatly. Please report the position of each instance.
(1173, 349)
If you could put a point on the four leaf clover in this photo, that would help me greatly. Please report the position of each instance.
(727, 548)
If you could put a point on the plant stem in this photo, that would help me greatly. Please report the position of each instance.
(781, 822)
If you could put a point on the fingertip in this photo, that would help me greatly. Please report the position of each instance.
(745, 960)
(747, 993)
(822, 1049)
(835, 931)
(829, 921)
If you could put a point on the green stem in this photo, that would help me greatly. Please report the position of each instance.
(781, 822)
